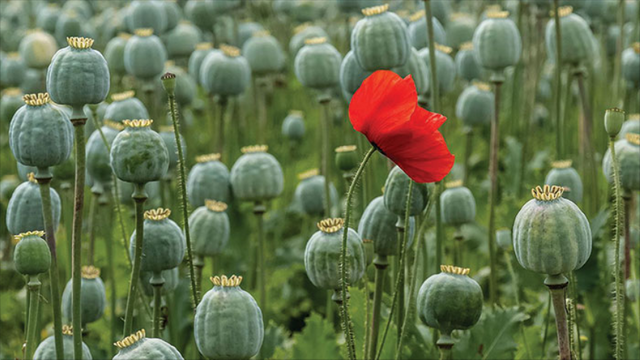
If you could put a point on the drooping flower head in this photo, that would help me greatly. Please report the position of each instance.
(385, 109)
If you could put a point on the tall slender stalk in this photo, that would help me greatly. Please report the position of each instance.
(468, 132)
(439, 231)
(626, 197)
(512, 274)
(44, 181)
(34, 296)
(344, 306)
(326, 153)
(558, 78)
(111, 274)
(381, 263)
(618, 321)
(261, 99)
(557, 285)
(435, 96)
(139, 197)
(93, 213)
(78, 119)
(493, 190)
(157, 281)
(401, 231)
(259, 210)
(168, 82)
(618, 57)
(222, 107)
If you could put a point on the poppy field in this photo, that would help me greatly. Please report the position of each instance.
(320, 179)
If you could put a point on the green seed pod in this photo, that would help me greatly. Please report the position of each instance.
(197, 58)
(441, 9)
(631, 64)
(550, 234)
(125, 106)
(138, 346)
(181, 41)
(417, 31)
(628, 155)
(24, 211)
(144, 55)
(40, 134)
(174, 13)
(151, 188)
(379, 225)
(380, 40)
(208, 179)
(33, 82)
(317, 64)
(246, 31)
(168, 136)
(293, 126)
(351, 75)
(8, 185)
(466, 63)
(449, 301)
(200, 12)
(46, 350)
(497, 43)
(10, 102)
(225, 73)
(301, 34)
(31, 255)
(322, 256)
(138, 154)
(395, 194)
(613, 120)
(458, 204)
(12, 70)
(114, 54)
(256, 175)
(577, 39)
(71, 24)
(98, 160)
(632, 125)
(460, 29)
(147, 14)
(310, 192)
(228, 322)
(37, 49)
(566, 177)
(93, 297)
(78, 75)
(171, 280)
(347, 159)
(163, 246)
(418, 70)
(209, 226)
(264, 53)
(47, 18)
(503, 239)
(475, 105)
(445, 66)
(81, 7)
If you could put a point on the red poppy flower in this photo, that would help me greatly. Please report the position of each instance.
(385, 109)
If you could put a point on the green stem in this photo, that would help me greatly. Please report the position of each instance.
(139, 197)
(259, 210)
(435, 96)
(182, 182)
(261, 93)
(123, 230)
(557, 289)
(111, 272)
(34, 290)
(617, 271)
(467, 153)
(626, 198)
(445, 352)
(493, 191)
(93, 208)
(514, 279)
(381, 263)
(618, 57)
(157, 281)
(326, 155)
(344, 306)
(78, 120)
(401, 230)
(439, 233)
(558, 77)
(546, 326)
(222, 106)
(44, 180)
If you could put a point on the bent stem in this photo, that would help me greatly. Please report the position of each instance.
(259, 210)
(78, 120)
(139, 197)
(617, 271)
(44, 182)
(557, 285)
(34, 296)
(344, 306)
(493, 175)
(182, 182)
(326, 153)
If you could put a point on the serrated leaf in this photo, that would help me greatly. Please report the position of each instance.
(316, 341)
(274, 337)
(358, 315)
(492, 337)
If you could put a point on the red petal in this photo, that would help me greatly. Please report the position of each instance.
(383, 102)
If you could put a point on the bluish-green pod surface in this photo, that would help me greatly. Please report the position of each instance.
(47, 17)
(144, 55)
(209, 226)
(628, 155)
(169, 137)
(450, 300)
(138, 154)
(466, 63)
(460, 29)
(174, 13)
(24, 211)
(125, 107)
(163, 245)
(78, 75)
(171, 279)
(417, 31)
(317, 64)
(301, 34)
(12, 70)
(395, 194)
(631, 65)
(264, 53)
(631, 126)
(37, 49)
(228, 322)
(246, 31)
(565, 176)
(310, 193)
(197, 58)
(497, 43)
(200, 13)
(10, 102)
(418, 70)
(98, 160)
(293, 126)
(93, 297)
(186, 88)
(139, 347)
(379, 225)
(577, 39)
(40, 134)
(147, 14)
(445, 66)
(351, 75)
(458, 205)
(551, 235)
(31, 255)
(208, 180)
(46, 350)
(475, 105)
(225, 73)
(256, 176)
(181, 41)
(380, 40)
(114, 54)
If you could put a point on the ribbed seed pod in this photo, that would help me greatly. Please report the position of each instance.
(209, 226)
(310, 192)
(351, 75)
(628, 155)
(395, 193)
(301, 34)
(182, 40)
(466, 63)
(93, 298)
(631, 64)
(379, 225)
(47, 18)
(565, 176)
(225, 73)
(24, 211)
(264, 53)
(12, 70)
(37, 49)
(246, 31)
(293, 126)
(98, 160)
(497, 43)
(458, 204)
(208, 179)
(163, 246)
(168, 136)
(171, 280)
(147, 14)
(550, 234)
(380, 40)
(114, 54)
(417, 30)
(577, 39)
(475, 105)
(322, 256)
(347, 158)
(460, 29)
(46, 350)
(418, 70)
(31, 255)
(144, 55)
(317, 64)
(138, 346)
(228, 322)
(200, 13)
(256, 175)
(632, 125)
(197, 58)
(10, 102)
(445, 66)
(125, 106)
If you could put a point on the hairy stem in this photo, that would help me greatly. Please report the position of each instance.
(139, 197)
(157, 281)
(493, 191)
(380, 262)
(617, 271)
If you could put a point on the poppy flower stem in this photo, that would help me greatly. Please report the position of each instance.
(34, 290)
(326, 153)
(618, 320)
(558, 79)
(558, 299)
(493, 176)
(435, 96)
(344, 307)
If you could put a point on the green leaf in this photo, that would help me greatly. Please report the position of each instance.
(492, 337)
(358, 315)
(316, 341)
(274, 337)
